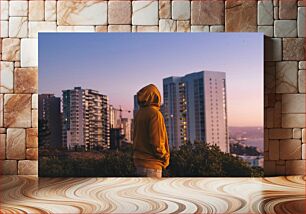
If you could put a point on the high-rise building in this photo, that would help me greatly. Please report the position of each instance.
(195, 109)
(85, 119)
(126, 126)
(114, 117)
(49, 116)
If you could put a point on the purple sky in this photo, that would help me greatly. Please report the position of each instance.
(119, 64)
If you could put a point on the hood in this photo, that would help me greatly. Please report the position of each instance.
(149, 96)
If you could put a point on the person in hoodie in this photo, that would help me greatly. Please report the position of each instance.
(150, 141)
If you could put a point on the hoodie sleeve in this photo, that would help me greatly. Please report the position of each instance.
(158, 137)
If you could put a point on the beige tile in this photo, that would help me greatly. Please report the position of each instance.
(295, 167)
(216, 28)
(167, 25)
(119, 28)
(4, 29)
(239, 16)
(17, 110)
(2, 146)
(287, 9)
(301, 22)
(265, 12)
(280, 133)
(34, 101)
(8, 167)
(301, 81)
(293, 49)
(4, 10)
(180, 10)
(285, 28)
(267, 30)
(183, 26)
(119, 12)
(29, 52)
(147, 28)
(18, 27)
(145, 13)
(207, 12)
(290, 149)
(36, 10)
(101, 28)
(32, 138)
(273, 149)
(15, 144)
(75, 29)
(293, 103)
(199, 28)
(35, 118)
(32, 154)
(6, 77)
(286, 77)
(165, 9)
(293, 121)
(50, 10)
(18, 8)
(89, 12)
(26, 80)
(1, 110)
(37, 26)
(297, 133)
(11, 49)
(28, 167)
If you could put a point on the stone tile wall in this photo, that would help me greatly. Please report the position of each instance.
(282, 21)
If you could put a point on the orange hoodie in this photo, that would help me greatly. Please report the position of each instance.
(150, 143)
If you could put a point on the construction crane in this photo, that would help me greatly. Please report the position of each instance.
(121, 110)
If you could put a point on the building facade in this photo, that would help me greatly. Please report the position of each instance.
(49, 117)
(85, 119)
(195, 109)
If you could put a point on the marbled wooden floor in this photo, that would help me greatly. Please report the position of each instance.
(27, 194)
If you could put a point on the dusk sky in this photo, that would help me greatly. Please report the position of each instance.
(119, 64)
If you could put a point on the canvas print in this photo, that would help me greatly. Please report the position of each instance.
(150, 105)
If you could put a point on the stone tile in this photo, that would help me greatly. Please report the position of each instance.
(267, 30)
(269, 167)
(15, 143)
(293, 103)
(302, 65)
(36, 27)
(273, 49)
(181, 10)
(301, 3)
(4, 9)
(25, 80)
(280, 134)
(167, 25)
(165, 9)
(301, 81)
(280, 170)
(4, 29)
(28, 167)
(278, 114)
(6, 77)
(293, 48)
(275, 13)
(36, 10)
(273, 149)
(1, 110)
(287, 9)
(269, 117)
(32, 138)
(286, 77)
(199, 28)
(32, 154)
(265, 12)
(145, 13)
(290, 149)
(75, 29)
(11, 49)
(304, 135)
(216, 28)
(17, 64)
(301, 21)
(285, 28)
(266, 145)
(295, 167)
(2, 130)
(275, 3)
(50, 10)
(147, 28)
(293, 121)
(2, 146)
(183, 26)
(18, 8)
(17, 110)
(297, 133)
(239, 16)
(34, 101)
(29, 53)
(119, 12)
(8, 167)
(303, 151)
(119, 28)
(89, 12)
(18, 27)
(101, 28)
(269, 78)
(34, 118)
(207, 12)
(134, 29)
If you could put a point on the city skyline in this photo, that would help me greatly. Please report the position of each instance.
(104, 57)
